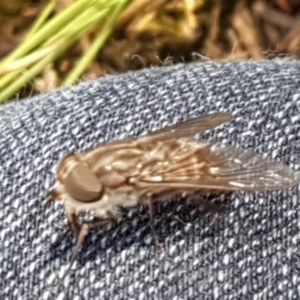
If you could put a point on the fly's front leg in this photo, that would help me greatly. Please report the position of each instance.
(72, 220)
(72, 225)
(159, 248)
(79, 231)
(82, 232)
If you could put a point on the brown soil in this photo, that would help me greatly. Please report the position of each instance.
(159, 32)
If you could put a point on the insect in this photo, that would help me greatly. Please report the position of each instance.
(145, 169)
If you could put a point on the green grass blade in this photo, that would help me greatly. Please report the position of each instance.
(48, 29)
(96, 45)
(42, 19)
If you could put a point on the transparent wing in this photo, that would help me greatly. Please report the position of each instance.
(223, 167)
(186, 129)
(191, 127)
(246, 170)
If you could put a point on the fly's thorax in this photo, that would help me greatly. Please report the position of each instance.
(120, 158)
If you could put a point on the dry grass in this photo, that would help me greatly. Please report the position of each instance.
(159, 32)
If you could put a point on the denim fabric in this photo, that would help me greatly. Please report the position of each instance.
(248, 250)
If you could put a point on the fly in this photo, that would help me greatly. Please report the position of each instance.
(145, 169)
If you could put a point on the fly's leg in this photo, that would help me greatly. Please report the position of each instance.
(72, 224)
(64, 235)
(82, 232)
(159, 248)
(98, 222)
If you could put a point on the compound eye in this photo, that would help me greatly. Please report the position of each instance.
(82, 184)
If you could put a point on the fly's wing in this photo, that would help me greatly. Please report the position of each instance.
(190, 127)
(186, 129)
(222, 167)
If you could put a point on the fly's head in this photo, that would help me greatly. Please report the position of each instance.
(76, 182)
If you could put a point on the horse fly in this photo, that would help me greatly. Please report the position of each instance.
(168, 161)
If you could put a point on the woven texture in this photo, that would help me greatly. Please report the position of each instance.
(248, 250)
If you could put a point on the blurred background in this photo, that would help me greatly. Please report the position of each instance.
(48, 44)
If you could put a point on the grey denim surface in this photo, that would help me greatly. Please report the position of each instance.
(249, 250)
